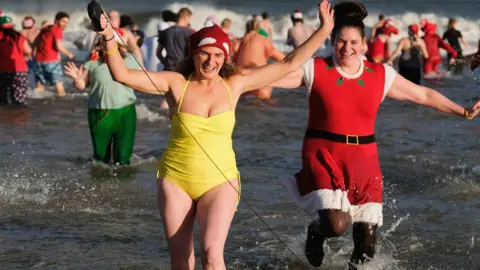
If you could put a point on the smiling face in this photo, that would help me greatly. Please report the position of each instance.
(208, 62)
(348, 46)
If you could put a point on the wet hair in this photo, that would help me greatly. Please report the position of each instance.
(187, 67)
(451, 23)
(60, 15)
(381, 17)
(183, 12)
(226, 22)
(265, 15)
(349, 14)
(169, 16)
(126, 21)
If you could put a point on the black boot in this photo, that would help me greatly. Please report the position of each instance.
(314, 245)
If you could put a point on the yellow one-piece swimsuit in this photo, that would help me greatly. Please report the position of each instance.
(185, 163)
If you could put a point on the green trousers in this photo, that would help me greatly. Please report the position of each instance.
(113, 131)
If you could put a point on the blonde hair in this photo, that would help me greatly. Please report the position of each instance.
(451, 23)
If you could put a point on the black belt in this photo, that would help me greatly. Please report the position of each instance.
(348, 139)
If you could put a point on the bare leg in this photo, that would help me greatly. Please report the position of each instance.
(364, 236)
(39, 87)
(177, 211)
(215, 211)
(60, 89)
(331, 223)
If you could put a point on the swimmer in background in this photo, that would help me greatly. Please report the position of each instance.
(29, 30)
(412, 50)
(266, 24)
(14, 51)
(112, 117)
(253, 51)
(300, 31)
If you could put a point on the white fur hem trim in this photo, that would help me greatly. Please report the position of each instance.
(333, 199)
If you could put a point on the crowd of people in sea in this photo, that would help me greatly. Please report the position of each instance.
(204, 74)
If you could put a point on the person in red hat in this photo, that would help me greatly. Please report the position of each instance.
(434, 42)
(29, 30)
(198, 177)
(300, 31)
(14, 51)
(379, 47)
(340, 178)
(412, 50)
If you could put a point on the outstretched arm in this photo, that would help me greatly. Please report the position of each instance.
(291, 81)
(267, 74)
(403, 89)
(140, 80)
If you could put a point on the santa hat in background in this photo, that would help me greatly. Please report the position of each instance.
(389, 28)
(212, 36)
(6, 22)
(28, 22)
(210, 21)
(413, 29)
(297, 14)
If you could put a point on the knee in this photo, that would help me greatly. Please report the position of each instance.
(338, 227)
(336, 222)
(213, 259)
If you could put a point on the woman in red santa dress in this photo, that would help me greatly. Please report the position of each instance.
(340, 177)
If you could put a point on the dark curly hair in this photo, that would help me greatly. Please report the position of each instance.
(349, 14)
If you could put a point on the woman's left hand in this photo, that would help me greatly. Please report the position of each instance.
(474, 110)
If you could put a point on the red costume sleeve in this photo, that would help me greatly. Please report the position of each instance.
(442, 44)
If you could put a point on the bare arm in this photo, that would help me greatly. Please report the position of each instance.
(267, 74)
(397, 51)
(62, 49)
(136, 79)
(403, 89)
(465, 43)
(27, 50)
(133, 46)
(291, 81)
(423, 47)
(375, 27)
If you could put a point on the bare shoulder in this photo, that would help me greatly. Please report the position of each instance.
(237, 81)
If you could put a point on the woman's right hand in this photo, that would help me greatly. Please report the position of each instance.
(326, 11)
(107, 28)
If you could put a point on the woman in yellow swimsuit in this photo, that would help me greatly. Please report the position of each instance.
(198, 175)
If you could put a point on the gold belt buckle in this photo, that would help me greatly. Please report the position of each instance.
(352, 136)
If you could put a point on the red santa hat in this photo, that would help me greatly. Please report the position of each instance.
(212, 36)
(28, 22)
(413, 28)
(297, 14)
(389, 28)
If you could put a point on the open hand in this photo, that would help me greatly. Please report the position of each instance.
(474, 110)
(74, 72)
(325, 12)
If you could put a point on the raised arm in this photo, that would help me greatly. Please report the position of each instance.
(397, 52)
(79, 75)
(267, 74)
(403, 89)
(144, 81)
